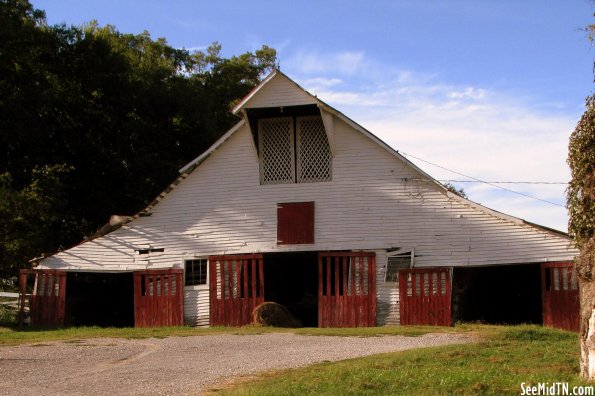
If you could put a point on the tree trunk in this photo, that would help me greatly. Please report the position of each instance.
(587, 328)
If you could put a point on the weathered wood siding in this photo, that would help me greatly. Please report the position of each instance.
(375, 201)
(387, 307)
(277, 93)
(196, 306)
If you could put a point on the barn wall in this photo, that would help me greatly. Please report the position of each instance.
(276, 93)
(374, 202)
(387, 304)
(196, 306)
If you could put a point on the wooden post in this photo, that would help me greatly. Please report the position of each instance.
(22, 295)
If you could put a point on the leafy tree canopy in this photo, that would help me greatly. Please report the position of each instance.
(95, 122)
(581, 190)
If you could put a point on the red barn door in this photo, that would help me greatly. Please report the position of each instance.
(158, 298)
(236, 288)
(559, 289)
(48, 298)
(424, 296)
(346, 289)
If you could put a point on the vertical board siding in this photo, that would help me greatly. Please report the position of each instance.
(48, 300)
(295, 223)
(346, 289)
(560, 296)
(236, 288)
(424, 296)
(158, 298)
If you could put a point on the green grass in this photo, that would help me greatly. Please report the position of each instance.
(502, 359)
(12, 335)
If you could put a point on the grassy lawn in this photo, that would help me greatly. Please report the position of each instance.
(13, 335)
(503, 359)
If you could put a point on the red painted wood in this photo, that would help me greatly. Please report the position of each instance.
(295, 223)
(48, 300)
(158, 298)
(422, 300)
(560, 296)
(343, 300)
(320, 295)
(233, 301)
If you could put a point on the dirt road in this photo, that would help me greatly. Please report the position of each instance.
(177, 365)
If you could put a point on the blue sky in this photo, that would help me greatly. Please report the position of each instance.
(491, 89)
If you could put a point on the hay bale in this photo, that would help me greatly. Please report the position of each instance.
(275, 315)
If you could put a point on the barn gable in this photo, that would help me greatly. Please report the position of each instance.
(366, 198)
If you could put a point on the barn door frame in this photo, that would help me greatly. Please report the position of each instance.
(47, 302)
(236, 288)
(425, 296)
(560, 296)
(346, 289)
(158, 297)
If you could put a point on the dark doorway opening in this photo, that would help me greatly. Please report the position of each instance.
(291, 279)
(509, 294)
(99, 299)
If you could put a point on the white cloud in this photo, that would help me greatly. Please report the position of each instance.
(477, 131)
(321, 83)
(345, 63)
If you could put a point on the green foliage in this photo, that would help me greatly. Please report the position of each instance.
(8, 315)
(94, 122)
(581, 190)
(453, 189)
(34, 216)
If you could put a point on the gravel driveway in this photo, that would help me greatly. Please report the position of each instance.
(178, 365)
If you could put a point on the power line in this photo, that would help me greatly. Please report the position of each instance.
(485, 182)
(501, 182)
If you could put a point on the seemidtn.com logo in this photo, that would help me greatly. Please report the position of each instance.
(555, 389)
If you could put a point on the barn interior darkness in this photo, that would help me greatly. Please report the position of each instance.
(508, 294)
(291, 279)
(99, 299)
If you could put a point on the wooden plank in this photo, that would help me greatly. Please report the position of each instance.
(428, 303)
(295, 223)
(560, 298)
(346, 317)
(240, 293)
(320, 295)
(346, 289)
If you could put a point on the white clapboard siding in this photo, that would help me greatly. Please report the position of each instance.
(279, 91)
(387, 304)
(196, 306)
(375, 201)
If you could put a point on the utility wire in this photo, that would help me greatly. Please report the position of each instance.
(482, 181)
(501, 182)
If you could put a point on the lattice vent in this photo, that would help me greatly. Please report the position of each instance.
(276, 146)
(313, 151)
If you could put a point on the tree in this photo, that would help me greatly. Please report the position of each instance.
(581, 206)
(453, 189)
(95, 122)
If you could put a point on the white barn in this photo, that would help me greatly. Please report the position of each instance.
(301, 205)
